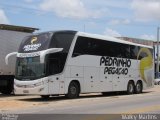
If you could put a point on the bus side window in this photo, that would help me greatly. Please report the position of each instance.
(133, 51)
(62, 40)
(53, 66)
(123, 50)
(55, 63)
(80, 47)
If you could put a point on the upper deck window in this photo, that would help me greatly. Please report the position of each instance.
(62, 40)
(47, 40)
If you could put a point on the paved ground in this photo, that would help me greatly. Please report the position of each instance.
(148, 102)
(87, 107)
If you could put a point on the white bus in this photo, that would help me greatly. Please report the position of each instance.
(72, 63)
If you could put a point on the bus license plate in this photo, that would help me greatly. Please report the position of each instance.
(25, 91)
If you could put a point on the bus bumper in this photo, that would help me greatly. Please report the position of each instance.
(37, 87)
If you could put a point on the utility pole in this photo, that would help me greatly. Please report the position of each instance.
(157, 71)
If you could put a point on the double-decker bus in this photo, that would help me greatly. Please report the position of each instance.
(71, 63)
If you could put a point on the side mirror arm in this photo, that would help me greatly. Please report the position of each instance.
(48, 51)
(8, 56)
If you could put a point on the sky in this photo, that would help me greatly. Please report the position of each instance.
(117, 18)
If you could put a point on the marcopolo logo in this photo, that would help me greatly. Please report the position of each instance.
(34, 46)
(34, 39)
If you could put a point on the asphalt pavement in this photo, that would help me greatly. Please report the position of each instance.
(89, 105)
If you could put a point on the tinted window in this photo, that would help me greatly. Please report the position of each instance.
(114, 49)
(55, 63)
(62, 40)
(98, 47)
(134, 51)
(47, 40)
(29, 68)
(81, 47)
(122, 50)
(86, 46)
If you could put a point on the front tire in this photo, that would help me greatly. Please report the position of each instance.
(73, 90)
(138, 88)
(130, 88)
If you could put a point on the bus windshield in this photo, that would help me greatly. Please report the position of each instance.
(29, 68)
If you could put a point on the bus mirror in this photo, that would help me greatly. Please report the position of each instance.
(8, 56)
(48, 51)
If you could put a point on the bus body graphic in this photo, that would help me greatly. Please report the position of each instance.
(146, 65)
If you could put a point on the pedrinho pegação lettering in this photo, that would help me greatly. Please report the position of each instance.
(31, 47)
(115, 65)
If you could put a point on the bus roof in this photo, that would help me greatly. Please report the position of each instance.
(56, 31)
(109, 38)
(96, 36)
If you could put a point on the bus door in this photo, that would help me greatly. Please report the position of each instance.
(53, 66)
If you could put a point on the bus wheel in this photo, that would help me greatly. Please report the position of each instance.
(73, 90)
(138, 87)
(45, 96)
(130, 88)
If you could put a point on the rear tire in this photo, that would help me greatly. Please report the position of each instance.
(159, 83)
(73, 90)
(138, 88)
(130, 88)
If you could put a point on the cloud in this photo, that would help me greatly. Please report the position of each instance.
(92, 24)
(3, 18)
(146, 10)
(28, 1)
(148, 37)
(126, 21)
(69, 8)
(119, 22)
(111, 32)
